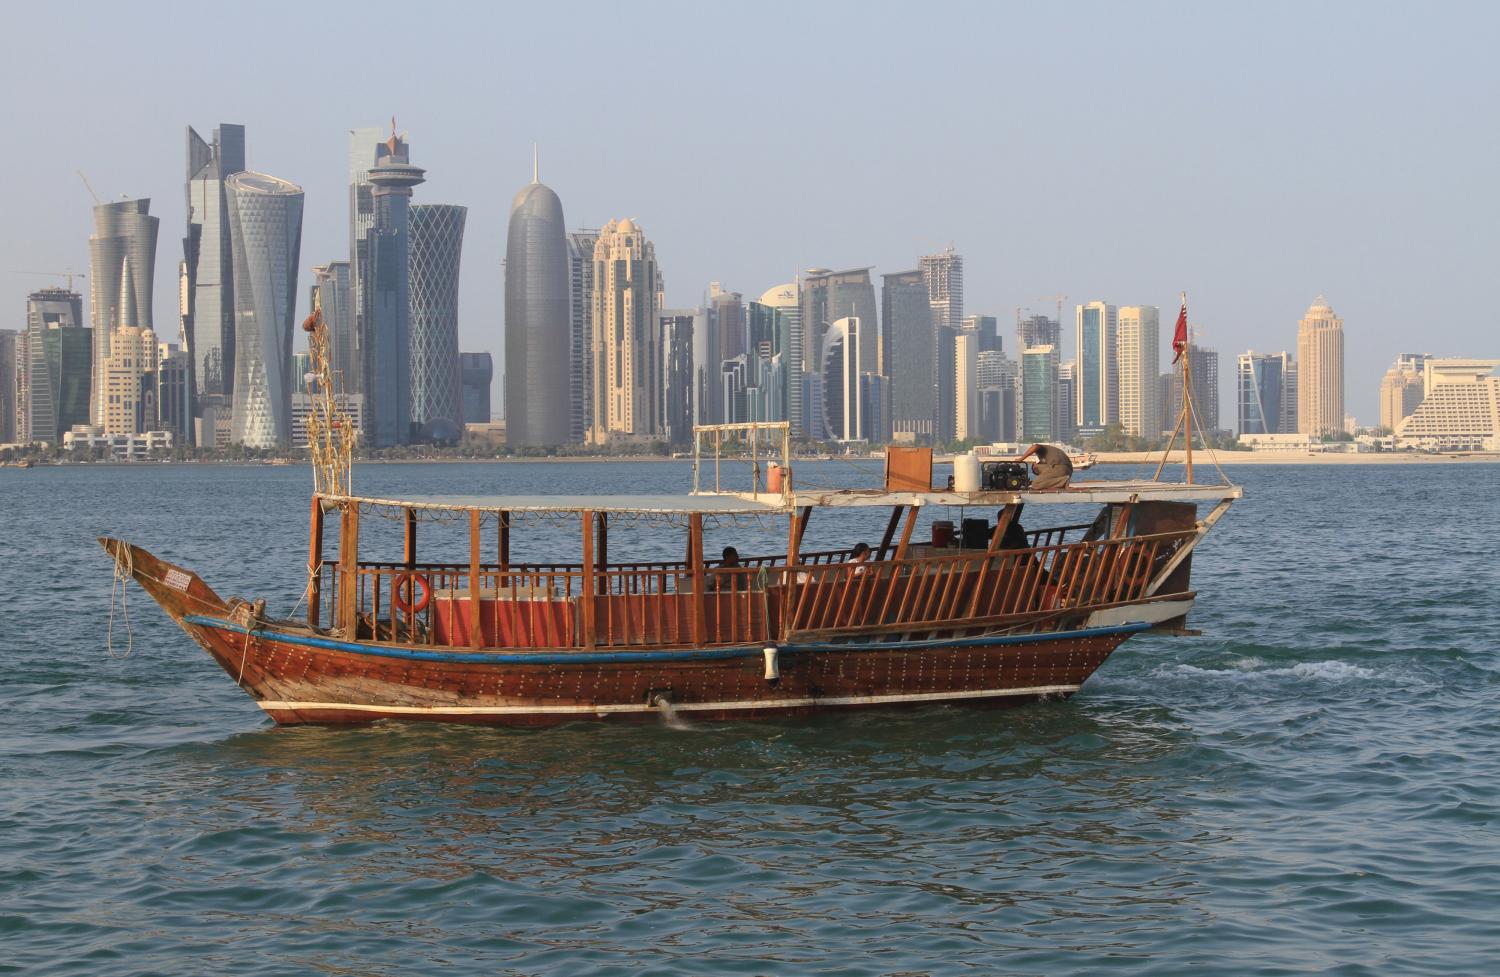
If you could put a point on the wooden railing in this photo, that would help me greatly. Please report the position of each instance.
(654, 604)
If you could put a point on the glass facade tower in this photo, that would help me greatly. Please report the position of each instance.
(1098, 372)
(208, 313)
(437, 240)
(265, 222)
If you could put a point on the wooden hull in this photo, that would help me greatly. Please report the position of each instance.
(299, 676)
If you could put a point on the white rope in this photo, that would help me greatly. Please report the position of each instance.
(124, 573)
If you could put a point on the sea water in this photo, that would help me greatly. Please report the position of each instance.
(1312, 786)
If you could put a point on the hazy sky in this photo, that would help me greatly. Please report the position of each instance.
(1255, 155)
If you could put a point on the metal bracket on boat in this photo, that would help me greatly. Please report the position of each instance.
(773, 662)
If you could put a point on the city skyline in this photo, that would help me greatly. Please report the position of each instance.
(1209, 168)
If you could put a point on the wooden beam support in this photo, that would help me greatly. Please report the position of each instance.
(315, 563)
(700, 578)
(409, 542)
(476, 592)
(1008, 515)
(890, 531)
(348, 595)
(601, 521)
(911, 522)
(586, 592)
(504, 542)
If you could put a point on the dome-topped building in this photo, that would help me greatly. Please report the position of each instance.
(536, 318)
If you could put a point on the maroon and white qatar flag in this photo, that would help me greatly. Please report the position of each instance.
(1179, 335)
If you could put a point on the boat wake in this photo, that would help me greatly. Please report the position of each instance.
(1249, 670)
(670, 718)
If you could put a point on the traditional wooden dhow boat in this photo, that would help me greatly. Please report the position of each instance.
(979, 612)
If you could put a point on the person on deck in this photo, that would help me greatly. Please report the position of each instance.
(860, 557)
(1052, 468)
(731, 561)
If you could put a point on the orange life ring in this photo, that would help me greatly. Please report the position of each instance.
(421, 588)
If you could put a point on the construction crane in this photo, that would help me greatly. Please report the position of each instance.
(1059, 299)
(69, 275)
(88, 186)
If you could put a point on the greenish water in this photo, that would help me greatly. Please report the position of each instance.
(1311, 787)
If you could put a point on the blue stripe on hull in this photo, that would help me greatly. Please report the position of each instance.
(682, 655)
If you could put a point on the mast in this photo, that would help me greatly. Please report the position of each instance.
(1187, 408)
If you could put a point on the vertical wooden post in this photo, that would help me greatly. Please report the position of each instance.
(409, 542)
(348, 610)
(601, 559)
(315, 563)
(700, 579)
(476, 592)
(890, 531)
(505, 542)
(586, 592)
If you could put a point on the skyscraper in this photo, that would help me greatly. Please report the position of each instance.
(843, 400)
(1038, 393)
(386, 336)
(365, 146)
(208, 263)
(1401, 389)
(944, 275)
(8, 385)
(130, 373)
(57, 367)
(965, 384)
(265, 223)
(580, 332)
(1205, 366)
(1261, 382)
(787, 301)
(477, 372)
(437, 239)
(1064, 421)
(122, 269)
(537, 319)
(1320, 366)
(829, 295)
(908, 349)
(627, 347)
(1037, 330)
(1139, 364)
(677, 364)
(332, 291)
(728, 309)
(1098, 379)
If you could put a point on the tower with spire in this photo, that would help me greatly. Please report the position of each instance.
(385, 337)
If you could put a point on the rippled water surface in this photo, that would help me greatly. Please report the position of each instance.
(1313, 786)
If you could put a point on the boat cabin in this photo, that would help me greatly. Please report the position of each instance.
(973, 572)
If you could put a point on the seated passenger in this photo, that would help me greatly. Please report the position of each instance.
(731, 561)
(860, 557)
(1053, 469)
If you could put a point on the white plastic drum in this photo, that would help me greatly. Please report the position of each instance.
(966, 473)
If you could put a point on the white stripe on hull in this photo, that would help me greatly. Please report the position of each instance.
(603, 709)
